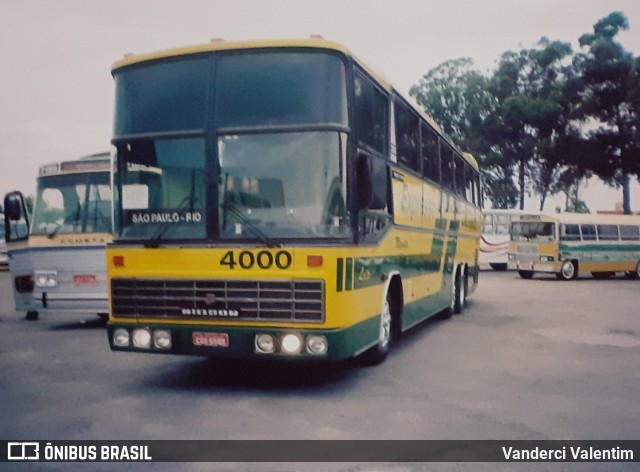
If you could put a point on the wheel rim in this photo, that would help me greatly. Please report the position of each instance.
(453, 293)
(385, 325)
(568, 270)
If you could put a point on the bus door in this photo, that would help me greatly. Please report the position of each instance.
(17, 222)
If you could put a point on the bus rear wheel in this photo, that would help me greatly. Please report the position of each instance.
(634, 274)
(568, 271)
(525, 274)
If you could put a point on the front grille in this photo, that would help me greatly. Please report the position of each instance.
(527, 253)
(246, 300)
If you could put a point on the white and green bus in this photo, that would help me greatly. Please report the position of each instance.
(569, 243)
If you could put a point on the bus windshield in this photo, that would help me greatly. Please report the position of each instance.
(271, 185)
(73, 203)
(285, 184)
(537, 231)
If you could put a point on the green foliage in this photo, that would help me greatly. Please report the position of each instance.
(525, 120)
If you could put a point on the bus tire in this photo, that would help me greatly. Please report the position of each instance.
(31, 316)
(634, 274)
(378, 353)
(525, 274)
(568, 271)
(460, 298)
(498, 266)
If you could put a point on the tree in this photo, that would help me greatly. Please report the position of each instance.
(456, 95)
(609, 88)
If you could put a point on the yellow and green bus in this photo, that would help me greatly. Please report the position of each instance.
(277, 199)
(569, 243)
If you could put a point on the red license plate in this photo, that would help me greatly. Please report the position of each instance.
(85, 280)
(210, 339)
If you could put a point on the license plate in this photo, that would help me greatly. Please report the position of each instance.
(85, 280)
(210, 339)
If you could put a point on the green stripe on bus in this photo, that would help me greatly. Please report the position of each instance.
(349, 274)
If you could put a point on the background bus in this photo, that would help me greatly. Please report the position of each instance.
(57, 254)
(568, 243)
(281, 218)
(494, 242)
(4, 255)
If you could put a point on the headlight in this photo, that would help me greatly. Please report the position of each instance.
(121, 337)
(317, 345)
(142, 338)
(546, 258)
(512, 257)
(162, 339)
(46, 278)
(291, 344)
(265, 343)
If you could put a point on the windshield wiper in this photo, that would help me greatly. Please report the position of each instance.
(231, 207)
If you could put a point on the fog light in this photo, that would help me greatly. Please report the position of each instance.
(291, 344)
(121, 337)
(317, 345)
(162, 339)
(265, 343)
(46, 278)
(142, 338)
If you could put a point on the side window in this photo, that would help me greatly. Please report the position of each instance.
(371, 111)
(570, 233)
(407, 137)
(588, 232)
(461, 181)
(448, 168)
(430, 154)
(629, 233)
(608, 232)
(487, 223)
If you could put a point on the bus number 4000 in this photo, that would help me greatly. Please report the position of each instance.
(263, 259)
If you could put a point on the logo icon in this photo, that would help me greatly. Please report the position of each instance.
(23, 451)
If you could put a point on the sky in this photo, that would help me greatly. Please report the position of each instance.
(56, 90)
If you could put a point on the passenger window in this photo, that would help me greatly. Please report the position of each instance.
(608, 232)
(570, 233)
(430, 154)
(371, 111)
(629, 233)
(447, 173)
(407, 137)
(588, 232)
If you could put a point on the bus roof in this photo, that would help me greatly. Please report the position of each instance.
(584, 218)
(94, 162)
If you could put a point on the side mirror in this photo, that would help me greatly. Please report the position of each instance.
(12, 207)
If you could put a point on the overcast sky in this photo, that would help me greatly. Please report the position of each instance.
(56, 91)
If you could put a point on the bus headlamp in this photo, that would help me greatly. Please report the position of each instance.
(317, 345)
(265, 343)
(546, 258)
(162, 339)
(121, 337)
(291, 344)
(141, 338)
(46, 278)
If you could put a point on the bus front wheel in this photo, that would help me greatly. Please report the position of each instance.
(378, 353)
(568, 271)
(525, 274)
